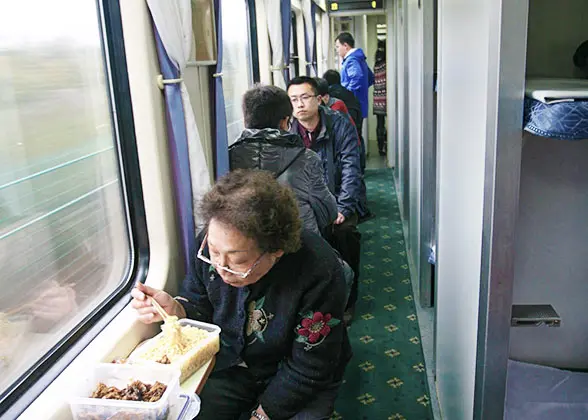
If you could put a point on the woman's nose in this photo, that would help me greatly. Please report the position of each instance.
(222, 260)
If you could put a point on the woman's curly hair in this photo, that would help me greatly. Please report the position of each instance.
(258, 206)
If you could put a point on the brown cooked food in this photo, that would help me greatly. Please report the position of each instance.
(137, 391)
(164, 360)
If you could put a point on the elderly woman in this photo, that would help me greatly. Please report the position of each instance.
(278, 295)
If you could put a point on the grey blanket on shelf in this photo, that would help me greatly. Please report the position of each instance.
(536, 392)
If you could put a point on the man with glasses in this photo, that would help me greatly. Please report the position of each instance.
(335, 139)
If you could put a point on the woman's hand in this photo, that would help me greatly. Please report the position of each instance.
(260, 411)
(146, 311)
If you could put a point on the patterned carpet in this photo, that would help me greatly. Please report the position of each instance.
(386, 378)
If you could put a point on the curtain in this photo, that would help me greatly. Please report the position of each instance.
(308, 11)
(220, 115)
(286, 10)
(173, 30)
(314, 48)
(293, 64)
(274, 27)
(327, 49)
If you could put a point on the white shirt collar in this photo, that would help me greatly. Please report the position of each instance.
(349, 52)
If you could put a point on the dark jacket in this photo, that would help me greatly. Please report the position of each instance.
(357, 77)
(284, 155)
(337, 146)
(287, 328)
(351, 102)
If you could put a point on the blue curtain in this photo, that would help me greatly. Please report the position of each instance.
(220, 116)
(313, 52)
(307, 51)
(286, 9)
(178, 147)
(310, 55)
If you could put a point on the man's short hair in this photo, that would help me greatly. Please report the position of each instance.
(332, 77)
(264, 106)
(300, 80)
(323, 86)
(346, 38)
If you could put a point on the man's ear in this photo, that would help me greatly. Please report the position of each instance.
(278, 254)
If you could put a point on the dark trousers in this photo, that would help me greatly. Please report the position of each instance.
(231, 394)
(346, 239)
(362, 151)
(362, 205)
(381, 134)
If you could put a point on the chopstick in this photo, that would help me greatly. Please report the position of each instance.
(159, 309)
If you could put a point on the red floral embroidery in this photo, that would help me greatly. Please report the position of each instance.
(314, 327)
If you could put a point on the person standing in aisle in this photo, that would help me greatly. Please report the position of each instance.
(380, 96)
(356, 77)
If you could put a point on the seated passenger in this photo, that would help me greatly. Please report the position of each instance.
(266, 144)
(277, 293)
(330, 101)
(333, 78)
(335, 140)
(353, 105)
(333, 103)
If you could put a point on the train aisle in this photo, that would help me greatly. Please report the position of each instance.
(386, 378)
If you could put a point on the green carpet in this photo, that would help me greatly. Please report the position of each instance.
(386, 378)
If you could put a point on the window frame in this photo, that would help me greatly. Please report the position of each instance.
(32, 383)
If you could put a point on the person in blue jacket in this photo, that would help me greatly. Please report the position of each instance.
(356, 77)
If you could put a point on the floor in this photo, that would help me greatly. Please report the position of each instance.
(426, 316)
(387, 378)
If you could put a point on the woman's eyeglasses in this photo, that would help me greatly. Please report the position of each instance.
(207, 260)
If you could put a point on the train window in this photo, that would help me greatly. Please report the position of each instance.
(236, 51)
(64, 232)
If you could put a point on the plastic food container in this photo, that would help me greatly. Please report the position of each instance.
(85, 408)
(194, 359)
(186, 407)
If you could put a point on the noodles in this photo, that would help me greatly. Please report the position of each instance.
(183, 344)
(176, 341)
(172, 335)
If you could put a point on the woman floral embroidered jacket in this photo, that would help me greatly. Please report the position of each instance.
(286, 328)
